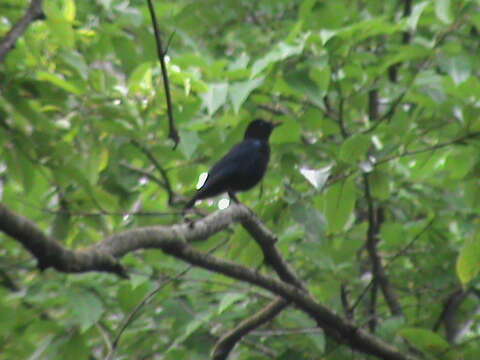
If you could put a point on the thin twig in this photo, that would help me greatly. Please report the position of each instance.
(284, 332)
(395, 103)
(378, 270)
(173, 132)
(166, 181)
(406, 37)
(372, 307)
(137, 309)
(341, 120)
(146, 300)
(406, 247)
(347, 308)
(390, 261)
(458, 140)
(146, 174)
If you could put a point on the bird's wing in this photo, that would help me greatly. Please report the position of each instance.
(231, 164)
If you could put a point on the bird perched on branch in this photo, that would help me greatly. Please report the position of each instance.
(243, 167)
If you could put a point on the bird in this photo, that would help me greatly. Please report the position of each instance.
(242, 167)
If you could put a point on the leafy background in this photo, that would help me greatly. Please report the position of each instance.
(369, 93)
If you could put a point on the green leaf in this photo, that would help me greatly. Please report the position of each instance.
(215, 97)
(189, 143)
(280, 52)
(468, 261)
(76, 347)
(354, 148)
(425, 340)
(369, 28)
(60, 82)
(390, 327)
(228, 300)
(198, 321)
(69, 10)
(443, 11)
(301, 82)
(311, 219)
(240, 62)
(62, 32)
(321, 75)
(417, 11)
(141, 78)
(459, 162)
(326, 35)
(339, 203)
(288, 132)
(60, 226)
(129, 296)
(76, 62)
(393, 234)
(305, 8)
(20, 166)
(238, 92)
(458, 67)
(85, 308)
(380, 184)
(403, 54)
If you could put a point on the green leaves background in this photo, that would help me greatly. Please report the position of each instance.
(84, 83)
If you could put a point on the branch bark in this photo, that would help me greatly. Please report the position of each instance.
(50, 253)
(34, 12)
(161, 52)
(378, 270)
(174, 240)
(266, 240)
(227, 342)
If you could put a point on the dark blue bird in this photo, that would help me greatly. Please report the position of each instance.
(243, 167)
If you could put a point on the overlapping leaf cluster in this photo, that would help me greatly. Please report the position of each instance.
(364, 89)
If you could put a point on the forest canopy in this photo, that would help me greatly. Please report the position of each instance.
(360, 242)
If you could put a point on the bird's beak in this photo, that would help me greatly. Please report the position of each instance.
(276, 123)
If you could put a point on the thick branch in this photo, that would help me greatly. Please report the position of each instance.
(450, 312)
(50, 253)
(34, 12)
(266, 240)
(337, 327)
(174, 240)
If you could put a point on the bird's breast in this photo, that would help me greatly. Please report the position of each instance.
(253, 168)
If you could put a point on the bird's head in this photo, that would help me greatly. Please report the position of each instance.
(260, 129)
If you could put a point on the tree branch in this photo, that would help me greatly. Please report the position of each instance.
(380, 276)
(173, 133)
(165, 181)
(450, 312)
(49, 253)
(458, 140)
(266, 240)
(406, 36)
(174, 240)
(227, 342)
(34, 12)
(334, 325)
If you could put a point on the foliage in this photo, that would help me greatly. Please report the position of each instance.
(368, 94)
